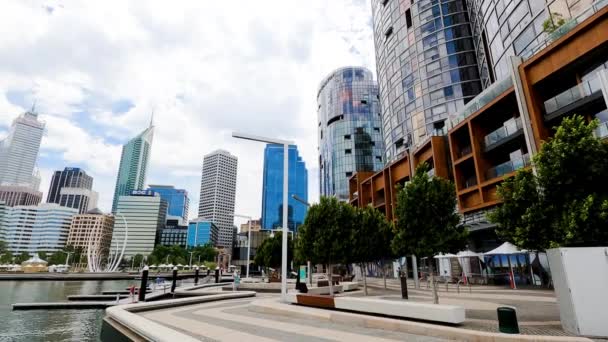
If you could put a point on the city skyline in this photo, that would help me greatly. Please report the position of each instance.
(101, 101)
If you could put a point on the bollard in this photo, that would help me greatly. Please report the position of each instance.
(196, 275)
(404, 286)
(144, 285)
(217, 275)
(174, 282)
(507, 320)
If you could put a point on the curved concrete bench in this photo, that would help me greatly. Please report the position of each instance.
(451, 314)
(151, 331)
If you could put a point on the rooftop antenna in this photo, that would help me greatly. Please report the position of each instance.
(33, 107)
(152, 118)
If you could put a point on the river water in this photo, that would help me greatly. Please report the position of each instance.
(53, 325)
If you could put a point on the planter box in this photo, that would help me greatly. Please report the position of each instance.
(580, 278)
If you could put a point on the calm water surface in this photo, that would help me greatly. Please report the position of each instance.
(54, 325)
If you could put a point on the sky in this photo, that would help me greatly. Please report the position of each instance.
(97, 70)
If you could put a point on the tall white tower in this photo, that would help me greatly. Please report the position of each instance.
(218, 188)
(19, 151)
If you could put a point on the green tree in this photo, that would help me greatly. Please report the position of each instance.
(566, 202)
(137, 260)
(270, 252)
(371, 240)
(6, 257)
(205, 252)
(326, 235)
(22, 257)
(3, 247)
(427, 220)
(554, 22)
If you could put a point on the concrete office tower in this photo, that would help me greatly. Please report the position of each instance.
(13, 195)
(426, 68)
(72, 188)
(35, 229)
(177, 201)
(350, 129)
(92, 231)
(145, 214)
(218, 188)
(19, 151)
(272, 189)
(133, 165)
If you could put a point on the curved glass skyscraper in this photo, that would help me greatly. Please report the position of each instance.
(350, 137)
(427, 68)
(515, 27)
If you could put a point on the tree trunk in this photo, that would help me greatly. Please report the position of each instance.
(434, 285)
(330, 280)
(364, 271)
(383, 273)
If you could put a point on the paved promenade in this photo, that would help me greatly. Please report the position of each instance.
(233, 321)
(537, 309)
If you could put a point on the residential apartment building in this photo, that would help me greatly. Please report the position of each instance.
(559, 73)
(92, 232)
(349, 129)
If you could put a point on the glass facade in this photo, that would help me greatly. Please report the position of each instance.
(172, 236)
(350, 131)
(177, 200)
(426, 65)
(272, 190)
(504, 28)
(133, 165)
(202, 232)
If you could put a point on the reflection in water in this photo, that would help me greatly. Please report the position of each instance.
(55, 325)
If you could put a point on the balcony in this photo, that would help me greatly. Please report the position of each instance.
(508, 131)
(469, 182)
(602, 130)
(508, 167)
(479, 101)
(431, 172)
(577, 95)
(464, 151)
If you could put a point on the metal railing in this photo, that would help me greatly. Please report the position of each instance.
(509, 128)
(578, 92)
(469, 182)
(485, 97)
(508, 167)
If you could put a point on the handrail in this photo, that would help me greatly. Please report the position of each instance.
(509, 128)
(508, 167)
(578, 92)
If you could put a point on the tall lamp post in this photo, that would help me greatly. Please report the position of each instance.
(285, 144)
(303, 201)
(248, 241)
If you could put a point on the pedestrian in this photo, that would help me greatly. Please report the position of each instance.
(132, 293)
(236, 282)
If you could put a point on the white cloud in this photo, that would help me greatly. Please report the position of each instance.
(205, 68)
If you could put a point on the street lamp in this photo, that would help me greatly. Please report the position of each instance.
(285, 144)
(300, 199)
(191, 258)
(67, 259)
(248, 240)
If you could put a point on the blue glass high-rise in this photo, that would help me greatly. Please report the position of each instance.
(177, 200)
(272, 191)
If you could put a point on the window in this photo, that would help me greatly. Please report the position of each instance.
(384, 2)
(347, 137)
(349, 174)
(376, 129)
(348, 151)
(408, 18)
(388, 32)
(364, 102)
(379, 158)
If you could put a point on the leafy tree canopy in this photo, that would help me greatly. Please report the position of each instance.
(372, 236)
(269, 254)
(566, 202)
(427, 220)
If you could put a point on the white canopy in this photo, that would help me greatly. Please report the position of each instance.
(152, 266)
(468, 254)
(442, 256)
(170, 265)
(162, 266)
(180, 265)
(506, 248)
(34, 260)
